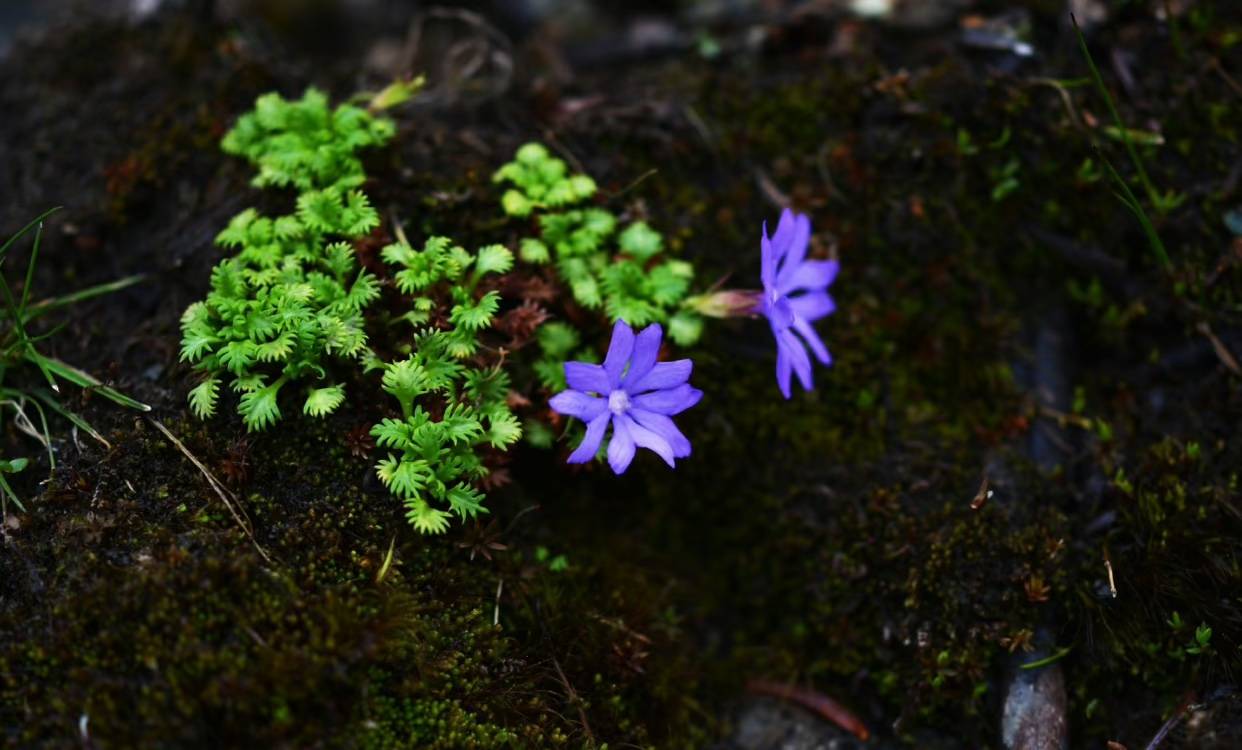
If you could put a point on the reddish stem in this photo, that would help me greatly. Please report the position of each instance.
(816, 703)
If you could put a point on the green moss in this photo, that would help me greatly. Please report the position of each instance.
(197, 636)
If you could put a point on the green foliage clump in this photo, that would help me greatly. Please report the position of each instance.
(557, 340)
(292, 300)
(306, 144)
(292, 297)
(622, 272)
(540, 181)
(450, 410)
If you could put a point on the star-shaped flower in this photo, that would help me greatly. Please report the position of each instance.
(794, 296)
(635, 394)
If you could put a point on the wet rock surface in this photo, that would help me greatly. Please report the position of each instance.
(768, 724)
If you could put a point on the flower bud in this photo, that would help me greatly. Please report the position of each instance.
(396, 93)
(726, 303)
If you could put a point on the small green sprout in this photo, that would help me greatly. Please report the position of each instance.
(11, 466)
(555, 563)
(1202, 642)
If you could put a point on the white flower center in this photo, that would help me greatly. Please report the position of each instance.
(618, 402)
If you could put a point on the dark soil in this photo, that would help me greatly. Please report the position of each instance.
(1001, 314)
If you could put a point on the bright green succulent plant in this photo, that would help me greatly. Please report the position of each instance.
(451, 410)
(290, 301)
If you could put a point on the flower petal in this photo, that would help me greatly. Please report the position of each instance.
(809, 274)
(663, 375)
(784, 368)
(621, 447)
(646, 351)
(794, 251)
(669, 401)
(649, 439)
(767, 260)
(619, 351)
(812, 306)
(783, 234)
(813, 340)
(798, 358)
(586, 377)
(590, 443)
(578, 404)
(661, 425)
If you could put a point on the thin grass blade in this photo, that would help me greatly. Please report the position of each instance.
(48, 305)
(84, 380)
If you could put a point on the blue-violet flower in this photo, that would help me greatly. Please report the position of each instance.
(794, 296)
(633, 392)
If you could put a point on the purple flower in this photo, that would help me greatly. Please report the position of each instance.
(794, 296)
(635, 393)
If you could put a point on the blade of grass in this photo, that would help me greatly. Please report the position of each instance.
(49, 334)
(50, 402)
(1130, 201)
(46, 438)
(10, 494)
(43, 307)
(1053, 658)
(18, 401)
(1127, 197)
(21, 232)
(84, 380)
(1175, 34)
(1152, 195)
(30, 267)
(22, 348)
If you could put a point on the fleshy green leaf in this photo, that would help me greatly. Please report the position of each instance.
(586, 291)
(473, 317)
(424, 518)
(321, 401)
(538, 434)
(641, 241)
(503, 430)
(685, 328)
(275, 350)
(195, 344)
(534, 251)
(557, 339)
(515, 204)
(259, 409)
(532, 153)
(405, 478)
(466, 501)
(203, 398)
(493, 259)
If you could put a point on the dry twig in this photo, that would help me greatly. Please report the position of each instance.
(228, 498)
